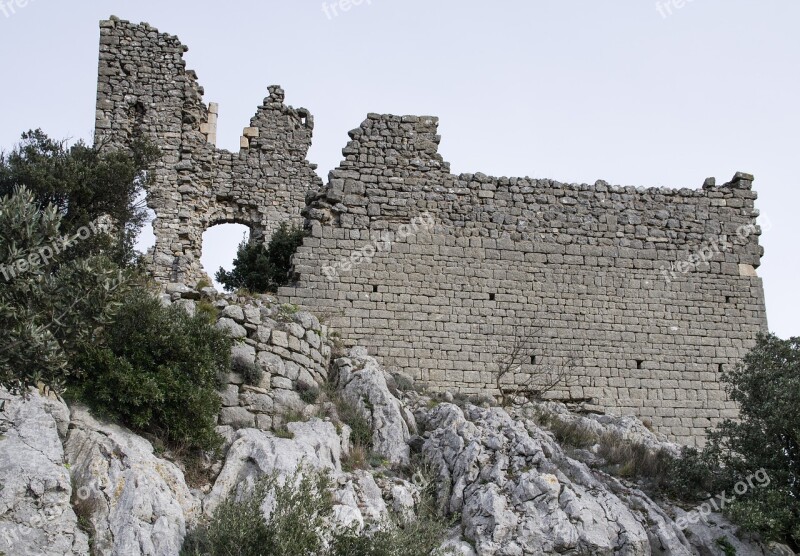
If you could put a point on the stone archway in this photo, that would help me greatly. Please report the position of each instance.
(220, 247)
(145, 91)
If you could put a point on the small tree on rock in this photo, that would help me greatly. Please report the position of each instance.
(541, 379)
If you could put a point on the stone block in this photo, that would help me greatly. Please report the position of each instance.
(280, 339)
(237, 417)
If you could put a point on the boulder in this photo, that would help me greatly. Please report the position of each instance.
(35, 493)
(135, 502)
(254, 454)
(362, 382)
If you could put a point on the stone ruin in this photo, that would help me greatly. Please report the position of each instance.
(645, 295)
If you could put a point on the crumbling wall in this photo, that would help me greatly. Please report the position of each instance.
(644, 295)
(145, 91)
(598, 277)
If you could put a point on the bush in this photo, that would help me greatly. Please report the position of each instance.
(308, 393)
(765, 441)
(158, 370)
(83, 184)
(251, 373)
(49, 305)
(300, 523)
(261, 270)
(349, 415)
(301, 507)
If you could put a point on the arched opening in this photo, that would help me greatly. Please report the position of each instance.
(220, 244)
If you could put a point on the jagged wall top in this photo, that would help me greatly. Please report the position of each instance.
(145, 91)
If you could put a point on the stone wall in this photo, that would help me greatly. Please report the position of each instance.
(291, 348)
(643, 295)
(606, 281)
(145, 91)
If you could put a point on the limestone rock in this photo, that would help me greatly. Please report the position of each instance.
(35, 488)
(255, 453)
(519, 494)
(136, 503)
(363, 383)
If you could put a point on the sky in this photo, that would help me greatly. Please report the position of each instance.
(634, 92)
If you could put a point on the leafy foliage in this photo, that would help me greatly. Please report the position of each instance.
(251, 373)
(158, 369)
(301, 508)
(49, 305)
(83, 184)
(766, 386)
(300, 512)
(308, 392)
(261, 270)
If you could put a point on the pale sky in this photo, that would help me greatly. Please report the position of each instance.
(633, 92)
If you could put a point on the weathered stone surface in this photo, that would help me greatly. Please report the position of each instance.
(35, 512)
(136, 502)
(646, 293)
(234, 312)
(362, 382)
(230, 395)
(243, 353)
(254, 454)
(519, 494)
(237, 417)
(230, 326)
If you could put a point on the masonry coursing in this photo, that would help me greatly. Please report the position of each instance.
(144, 90)
(589, 273)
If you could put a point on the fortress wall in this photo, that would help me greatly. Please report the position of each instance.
(644, 296)
(586, 273)
(145, 91)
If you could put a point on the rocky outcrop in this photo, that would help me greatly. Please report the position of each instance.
(35, 489)
(134, 502)
(513, 488)
(519, 494)
(362, 382)
(254, 454)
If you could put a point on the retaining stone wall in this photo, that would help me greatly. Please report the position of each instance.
(290, 347)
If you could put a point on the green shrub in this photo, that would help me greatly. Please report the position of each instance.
(361, 434)
(259, 269)
(300, 524)
(302, 506)
(764, 442)
(51, 303)
(251, 373)
(84, 183)
(727, 548)
(308, 392)
(207, 310)
(157, 370)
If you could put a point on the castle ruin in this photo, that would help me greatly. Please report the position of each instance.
(647, 294)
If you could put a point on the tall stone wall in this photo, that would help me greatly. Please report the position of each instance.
(145, 91)
(643, 296)
(608, 282)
